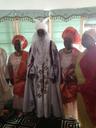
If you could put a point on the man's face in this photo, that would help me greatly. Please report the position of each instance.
(41, 32)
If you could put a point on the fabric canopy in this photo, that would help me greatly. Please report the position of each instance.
(65, 14)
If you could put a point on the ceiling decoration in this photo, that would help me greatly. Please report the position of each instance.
(62, 14)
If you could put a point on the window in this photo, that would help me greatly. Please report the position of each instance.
(58, 27)
(90, 23)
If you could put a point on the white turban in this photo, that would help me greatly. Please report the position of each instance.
(42, 25)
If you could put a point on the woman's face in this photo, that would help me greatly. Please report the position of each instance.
(68, 43)
(17, 46)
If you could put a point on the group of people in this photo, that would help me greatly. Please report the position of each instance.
(51, 83)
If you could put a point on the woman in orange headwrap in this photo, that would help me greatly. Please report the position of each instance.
(17, 67)
(68, 56)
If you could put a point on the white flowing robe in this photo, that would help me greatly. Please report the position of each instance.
(42, 91)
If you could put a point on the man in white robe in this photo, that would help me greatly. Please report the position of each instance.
(42, 90)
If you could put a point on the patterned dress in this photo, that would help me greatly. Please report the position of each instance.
(69, 82)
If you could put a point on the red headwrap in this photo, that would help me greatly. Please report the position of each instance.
(72, 33)
(21, 39)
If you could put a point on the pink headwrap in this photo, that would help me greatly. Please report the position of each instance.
(72, 33)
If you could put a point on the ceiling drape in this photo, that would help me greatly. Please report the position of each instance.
(63, 14)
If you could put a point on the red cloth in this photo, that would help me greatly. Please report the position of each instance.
(88, 90)
(20, 78)
(72, 33)
(69, 93)
(22, 39)
(69, 86)
(19, 88)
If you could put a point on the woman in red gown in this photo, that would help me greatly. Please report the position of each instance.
(86, 75)
(17, 67)
(68, 56)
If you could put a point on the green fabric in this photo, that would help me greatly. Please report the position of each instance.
(64, 13)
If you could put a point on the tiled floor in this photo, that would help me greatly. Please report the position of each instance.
(30, 121)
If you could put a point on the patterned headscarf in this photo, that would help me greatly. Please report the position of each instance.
(72, 33)
(89, 37)
(22, 39)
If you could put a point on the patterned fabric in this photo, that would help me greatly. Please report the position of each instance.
(12, 121)
(30, 121)
(42, 92)
(70, 123)
(69, 81)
